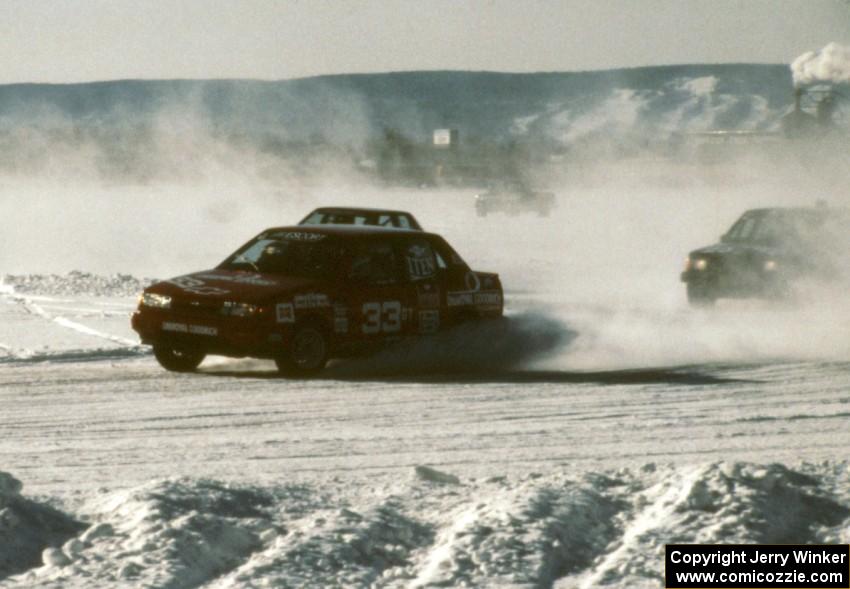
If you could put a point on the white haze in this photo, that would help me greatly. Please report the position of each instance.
(606, 264)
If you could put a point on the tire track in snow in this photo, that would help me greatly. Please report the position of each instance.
(33, 308)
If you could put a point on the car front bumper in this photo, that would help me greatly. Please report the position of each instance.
(238, 337)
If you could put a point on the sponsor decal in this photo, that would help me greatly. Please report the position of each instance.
(420, 262)
(252, 279)
(186, 328)
(340, 311)
(311, 300)
(193, 285)
(203, 330)
(429, 321)
(459, 299)
(296, 236)
(340, 325)
(285, 313)
(488, 298)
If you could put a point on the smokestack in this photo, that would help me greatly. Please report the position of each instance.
(826, 108)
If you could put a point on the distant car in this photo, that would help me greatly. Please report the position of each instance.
(514, 199)
(358, 216)
(767, 251)
(305, 294)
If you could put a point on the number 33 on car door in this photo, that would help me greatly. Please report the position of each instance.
(382, 317)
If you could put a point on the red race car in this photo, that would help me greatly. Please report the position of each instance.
(302, 295)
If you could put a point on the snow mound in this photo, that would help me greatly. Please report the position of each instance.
(715, 503)
(28, 529)
(529, 535)
(340, 548)
(534, 530)
(165, 534)
(76, 283)
(426, 473)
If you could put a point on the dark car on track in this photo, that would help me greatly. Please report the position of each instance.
(767, 252)
(302, 295)
(360, 216)
(514, 199)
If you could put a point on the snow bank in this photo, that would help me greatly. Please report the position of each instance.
(29, 529)
(555, 529)
(76, 283)
(164, 534)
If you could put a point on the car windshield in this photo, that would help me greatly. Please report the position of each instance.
(309, 255)
(358, 218)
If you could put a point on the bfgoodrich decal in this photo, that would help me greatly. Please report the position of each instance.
(311, 300)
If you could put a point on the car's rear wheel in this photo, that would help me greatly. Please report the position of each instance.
(178, 359)
(307, 354)
(700, 296)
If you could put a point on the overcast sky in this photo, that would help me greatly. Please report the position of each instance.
(85, 40)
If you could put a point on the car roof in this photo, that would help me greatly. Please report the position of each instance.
(354, 210)
(350, 230)
(816, 212)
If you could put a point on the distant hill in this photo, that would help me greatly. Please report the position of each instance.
(349, 109)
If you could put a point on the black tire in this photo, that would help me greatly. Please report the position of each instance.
(307, 354)
(700, 296)
(178, 359)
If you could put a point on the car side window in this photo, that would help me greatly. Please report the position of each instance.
(441, 263)
(742, 230)
(448, 257)
(374, 263)
(419, 259)
(770, 230)
(386, 221)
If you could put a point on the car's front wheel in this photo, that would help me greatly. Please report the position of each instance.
(700, 296)
(177, 359)
(307, 354)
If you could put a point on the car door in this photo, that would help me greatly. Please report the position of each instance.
(381, 302)
(423, 276)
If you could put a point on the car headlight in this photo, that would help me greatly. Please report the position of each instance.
(700, 264)
(770, 266)
(235, 309)
(156, 301)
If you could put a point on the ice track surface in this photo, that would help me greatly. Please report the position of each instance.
(552, 466)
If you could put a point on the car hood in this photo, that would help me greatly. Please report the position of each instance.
(230, 285)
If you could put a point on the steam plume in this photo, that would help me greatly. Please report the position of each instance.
(828, 65)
